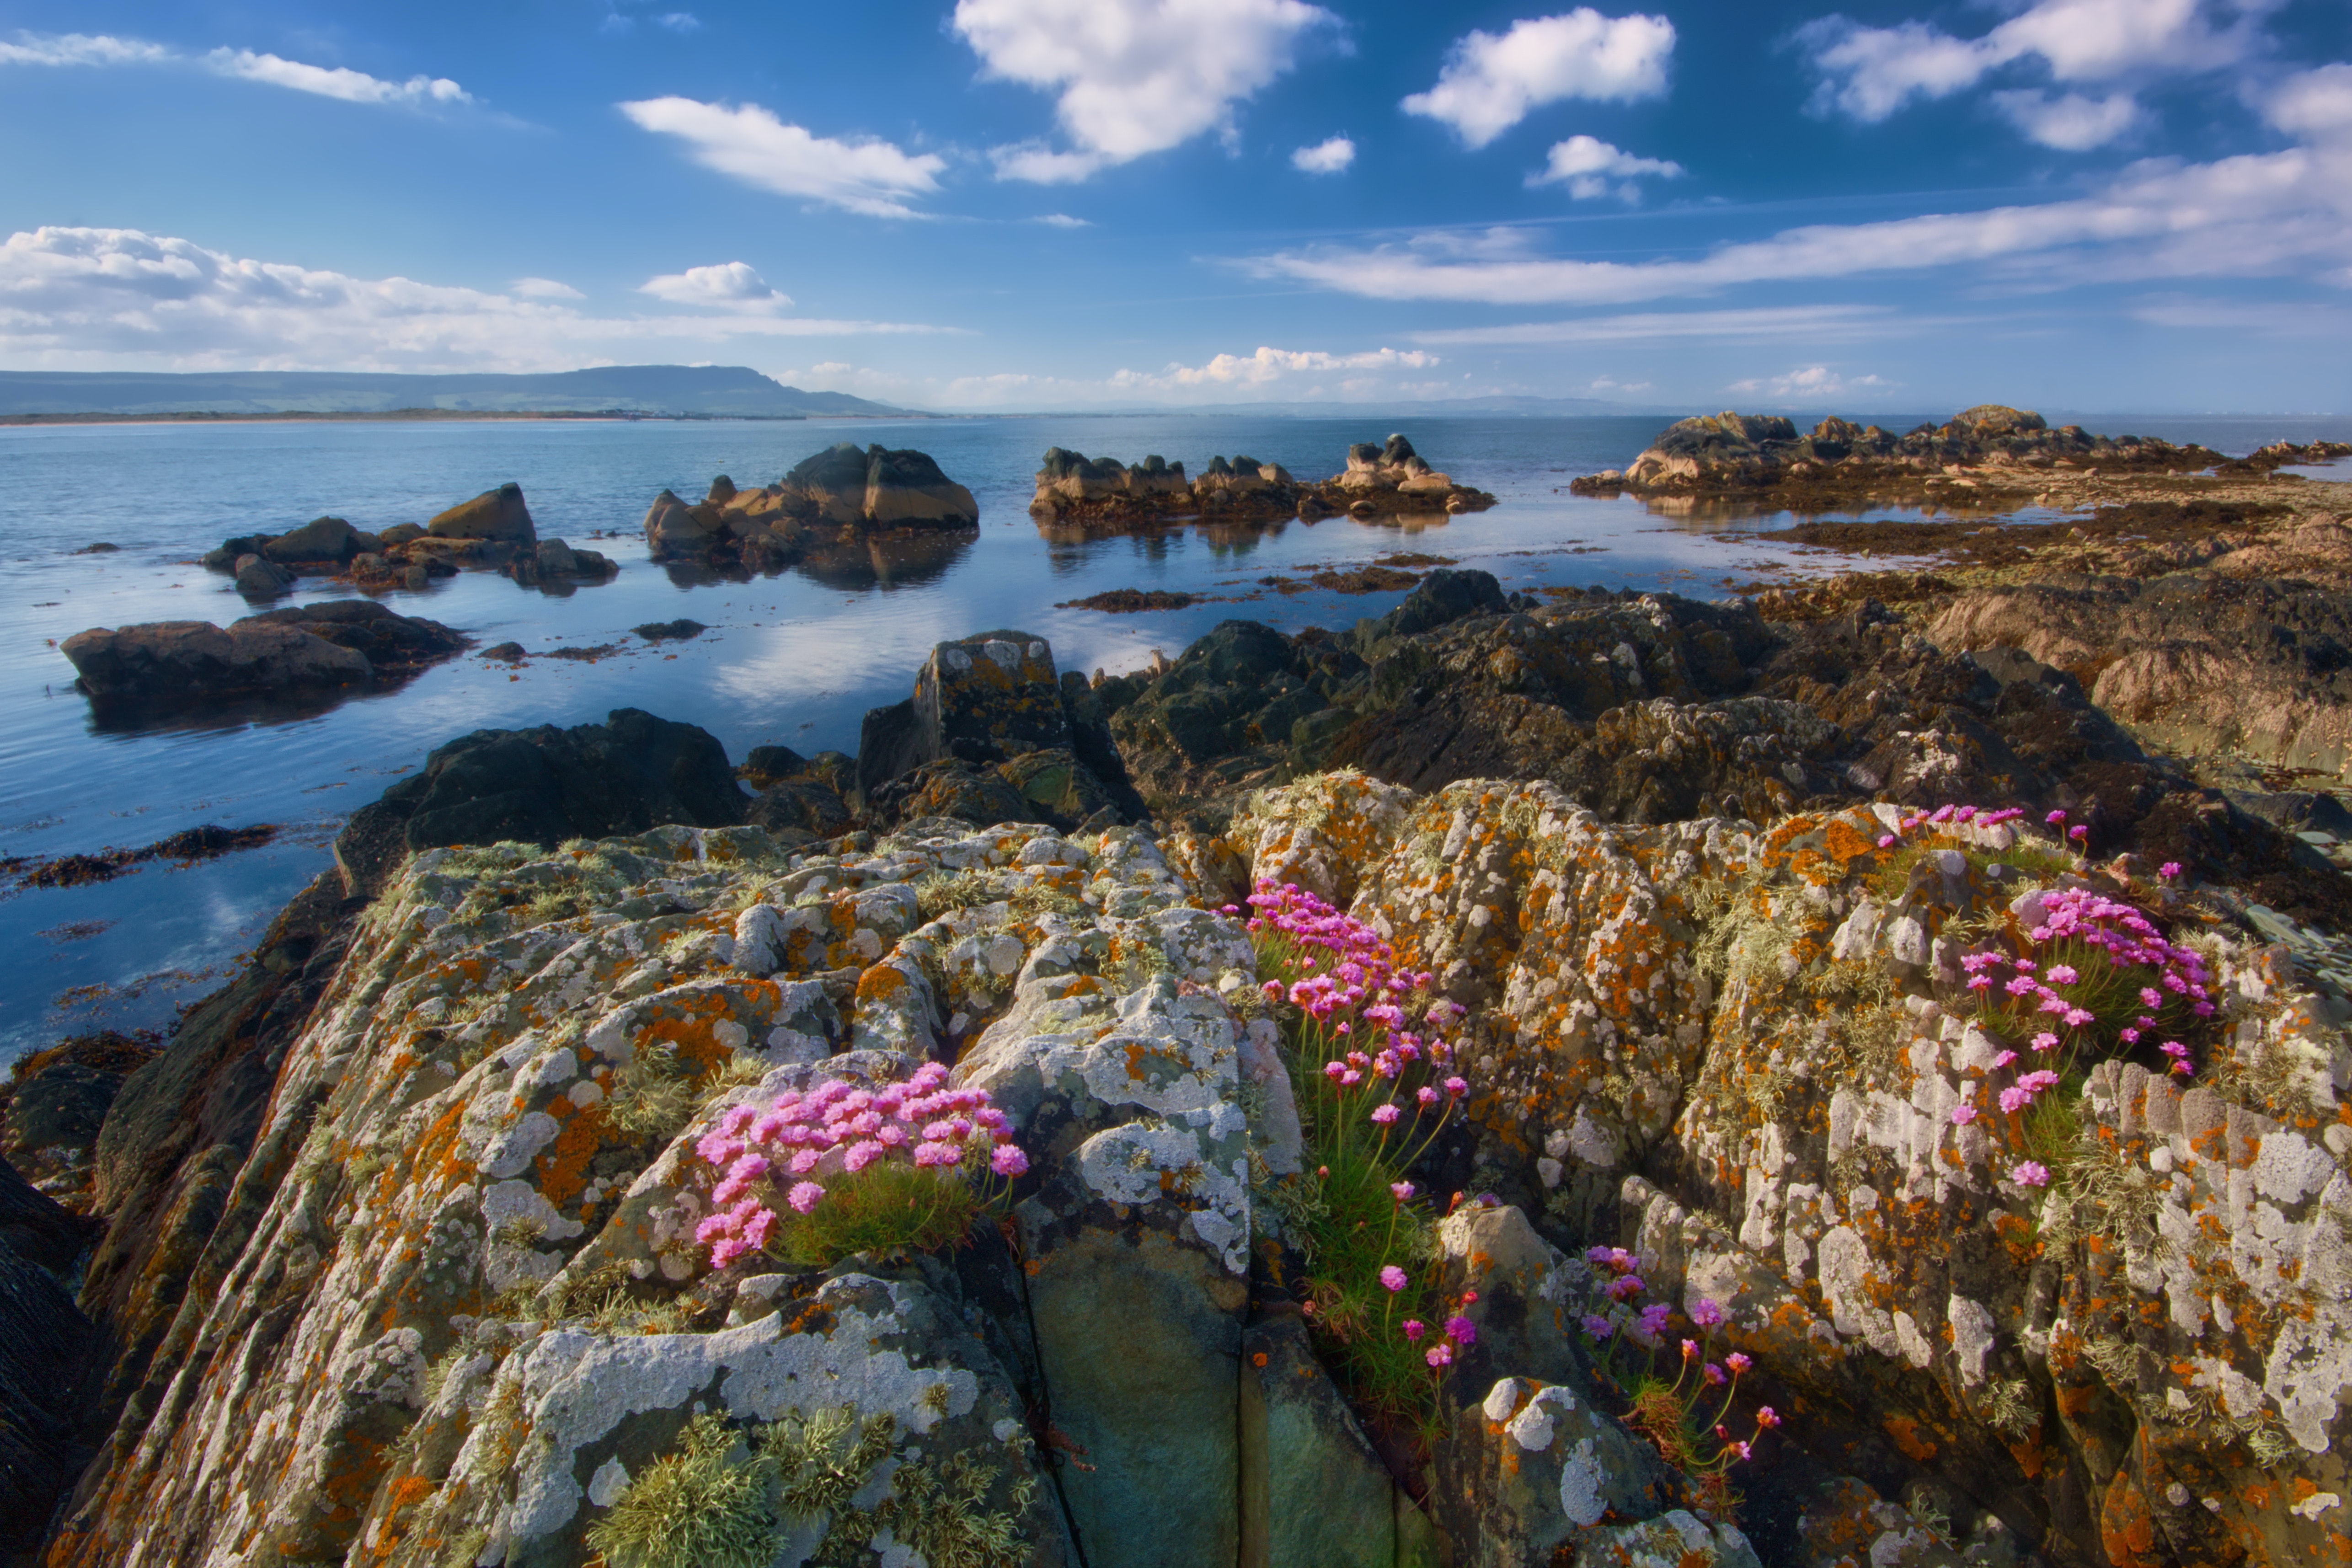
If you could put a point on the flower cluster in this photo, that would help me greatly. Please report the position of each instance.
(1672, 1413)
(1348, 975)
(836, 1129)
(1953, 816)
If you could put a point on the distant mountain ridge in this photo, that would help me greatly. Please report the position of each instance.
(717, 391)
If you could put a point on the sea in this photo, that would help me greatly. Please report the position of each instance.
(793, 659)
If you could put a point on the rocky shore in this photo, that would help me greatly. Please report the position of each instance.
(1099, 494)
(1988, 455)
(842, 500)
(492, 531)
(1882, 1099)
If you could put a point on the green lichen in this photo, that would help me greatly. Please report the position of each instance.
(705, 1504)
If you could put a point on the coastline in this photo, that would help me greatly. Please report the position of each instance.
(403, 415)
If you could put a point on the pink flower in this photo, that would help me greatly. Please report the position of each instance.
(1384, 1114)
(1690, 1349)
(1624, 1287)
(1714, 1375)
(2014, 1100)
(1887, 841)
(1392, 1278)
(803, 1196)
(1426, 1096)
(2003, 1060)
(1414, 1328)
(2078, 833)
(1963, 1113)
(2030, 1173)
(2035, 1082)
(1737, 1362)
(1440, 1355)
(1400, 1190)
(1705, 1313)
(1767, 1417)
(2054, 818)
(2077, 1017)
(2045, 1041)
(2149, 996)
(2169, 871)
(2060, 975)
(1456, 1088)
(1007, 1160)
(1462, 1331)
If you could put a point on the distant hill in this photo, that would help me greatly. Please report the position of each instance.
(722, 391)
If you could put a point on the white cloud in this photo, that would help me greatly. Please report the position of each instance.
(2314, 104)
(1814, 322)
(1325, 157)
(1062, 220)
(2275, 212)
(731, 286)
(1490, 82)
(94, 299)
(2071, 123)
(241, 65)
(752, 145)
(80, 49)
(1811, 382)
(1133, 77)
(350, 85)
(1268, 364)
(1586, 164)
(680, 22)
(1869, 73)
(544, 288)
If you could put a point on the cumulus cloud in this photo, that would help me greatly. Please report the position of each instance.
(750, 144)
(544, 288)
(731, 286)
(679, 22)
(242, 64)
(1808, 382)
(1490, 81)
(2267, 214)
(1869, 73)
(2314, 104)
(1062, 220)
(2070, 122)
(1132, 77)
(1269, 364)
(1325, 157)
(1586, 164)
(118, 299)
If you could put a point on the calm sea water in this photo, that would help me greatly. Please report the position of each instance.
(789, 659)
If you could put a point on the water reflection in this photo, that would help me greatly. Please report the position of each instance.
(222, 715)
(900, 559)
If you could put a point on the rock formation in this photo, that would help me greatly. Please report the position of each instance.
(494, 531)
(841, 497)
(1762, 458)
(316, 647)
(1097, 493)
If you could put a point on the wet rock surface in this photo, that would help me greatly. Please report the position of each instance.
(835, 505)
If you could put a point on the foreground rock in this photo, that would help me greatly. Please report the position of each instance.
(1074, 490)
(305, 648)
(47, 1355)
(1763, 459)
(835, 501)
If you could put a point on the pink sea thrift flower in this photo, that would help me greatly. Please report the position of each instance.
(1392, 1278)
(2030, 1173)
(1414, 1328)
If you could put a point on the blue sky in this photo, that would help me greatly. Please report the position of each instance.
(2092, 204)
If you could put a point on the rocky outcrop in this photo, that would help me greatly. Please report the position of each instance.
(992, 734)
(1762, 458)
(321, 645)
(543, 786)
(839, 500)
(47, 1354)
(1100, 493)
(493, 531)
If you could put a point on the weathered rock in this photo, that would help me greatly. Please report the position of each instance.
(189, 660)
(47, 1354)
(499, 515)
(1314, 1493)
(554, 562)
(1763, 458)
(259, 577)
(324, 541)
(1087, 494)
(394, 645)
(544, 785)
(1533, 1468)
(51, 1109)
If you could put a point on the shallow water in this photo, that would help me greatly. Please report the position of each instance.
(796, 659)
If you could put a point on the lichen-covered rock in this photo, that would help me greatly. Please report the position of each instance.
(1678, 1539)
(467, 1305)
(1533, 1467)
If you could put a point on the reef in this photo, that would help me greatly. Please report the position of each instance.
(1100, 493)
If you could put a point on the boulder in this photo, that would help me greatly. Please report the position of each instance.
(324, 541)
(673, 529)
(907, 489)
(1314, 1492)
(51, 1109)
(188, 660)
(832, 483)
(990, 696)
(395, 646)
(398, 535)
(259, 577)
(497, 515)
(545, 785)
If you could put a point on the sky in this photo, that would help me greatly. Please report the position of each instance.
(1029, 204)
